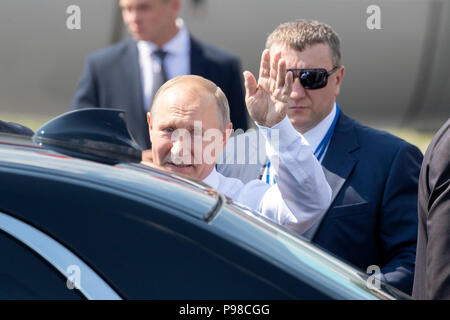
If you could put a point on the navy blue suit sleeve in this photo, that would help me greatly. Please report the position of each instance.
(398, 225)
(236, 98)
(86, 94)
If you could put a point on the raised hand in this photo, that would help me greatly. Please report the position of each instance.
(268, 100)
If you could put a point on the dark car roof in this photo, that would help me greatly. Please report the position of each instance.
(147, 183)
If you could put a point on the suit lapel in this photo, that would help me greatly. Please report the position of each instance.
(132, 73)
(339, 161)
(132, 81)
(197, 59)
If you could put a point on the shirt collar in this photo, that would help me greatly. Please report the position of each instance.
(213, 179)
(176, 46)
(315, 135)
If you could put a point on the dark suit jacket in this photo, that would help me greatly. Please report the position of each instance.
(373, 216)
(372, 219)
(15, 128)
(432, 277)
(112, 79)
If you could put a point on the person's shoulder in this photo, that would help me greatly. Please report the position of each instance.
(379, 140)
(230, 187)
(111, 52)
(438, 152)
(243, 145)
(229, 182)
(248, 193)
(212, 52)
(441, 141)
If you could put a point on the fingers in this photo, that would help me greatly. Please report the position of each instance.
(274, 70)
(250, 84)
(274, 65)
(264, 68)
(273, 78)
(281, 73)
(288, 82)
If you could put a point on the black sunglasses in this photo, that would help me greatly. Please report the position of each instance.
(312, 78)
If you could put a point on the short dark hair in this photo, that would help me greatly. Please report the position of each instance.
(302, 33)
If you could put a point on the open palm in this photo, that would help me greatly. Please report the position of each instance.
(268, 100)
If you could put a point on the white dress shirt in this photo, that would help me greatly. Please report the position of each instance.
(177, 61)
(301, 195)
(314, 136)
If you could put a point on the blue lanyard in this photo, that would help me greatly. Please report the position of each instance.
(268, 172)
(320, 150)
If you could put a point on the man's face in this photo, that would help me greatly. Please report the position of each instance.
(149, 20)
(184, 120)
(310, 106)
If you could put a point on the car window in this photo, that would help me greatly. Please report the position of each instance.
(27, 276)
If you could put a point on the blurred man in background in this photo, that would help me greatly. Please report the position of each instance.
(127, 75)
(372, 220)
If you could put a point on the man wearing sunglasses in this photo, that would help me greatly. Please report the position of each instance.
(372, 220)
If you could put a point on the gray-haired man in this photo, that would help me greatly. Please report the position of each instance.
(189, 125)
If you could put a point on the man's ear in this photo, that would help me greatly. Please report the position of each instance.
(176, 4)
(227, 133)
(150, 127)
(148, 121)
(339, 77)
